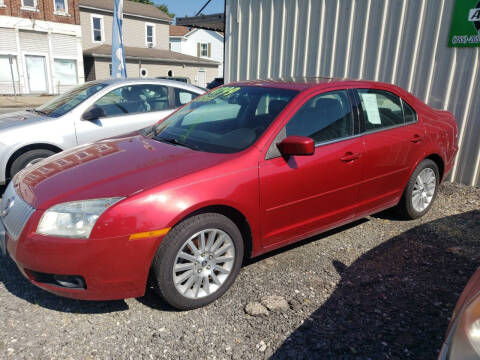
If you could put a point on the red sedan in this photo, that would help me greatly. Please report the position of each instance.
(242, 170)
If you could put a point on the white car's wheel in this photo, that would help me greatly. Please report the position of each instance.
(28, 159)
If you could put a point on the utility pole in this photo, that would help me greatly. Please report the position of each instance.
(10, 60)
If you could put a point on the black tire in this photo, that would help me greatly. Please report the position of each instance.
(405, 206)
(24, 159)
(164, 260)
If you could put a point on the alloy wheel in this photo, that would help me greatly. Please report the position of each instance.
(203, 263)
(424, 189)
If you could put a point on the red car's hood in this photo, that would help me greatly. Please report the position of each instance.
(114, 167)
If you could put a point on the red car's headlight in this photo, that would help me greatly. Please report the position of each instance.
(74, 219)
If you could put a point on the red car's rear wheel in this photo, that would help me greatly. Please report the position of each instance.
(421, 190)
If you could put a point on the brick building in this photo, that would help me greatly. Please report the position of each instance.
(40, 46)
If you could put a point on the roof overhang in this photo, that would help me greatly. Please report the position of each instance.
(126, 14)
(214, 22)
(156, 59)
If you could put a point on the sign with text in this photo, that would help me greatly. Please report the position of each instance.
(465, 28)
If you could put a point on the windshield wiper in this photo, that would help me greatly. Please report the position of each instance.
(38, 111)
(175, 141)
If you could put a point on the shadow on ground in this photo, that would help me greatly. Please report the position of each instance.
(300, 243)
(16, 284)
(395, 301)
(153, 300)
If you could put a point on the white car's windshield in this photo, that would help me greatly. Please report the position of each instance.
(226, 120)
(62, 104)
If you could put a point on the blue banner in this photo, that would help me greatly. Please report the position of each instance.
(118, 54)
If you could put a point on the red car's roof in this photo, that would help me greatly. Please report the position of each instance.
(302, 83)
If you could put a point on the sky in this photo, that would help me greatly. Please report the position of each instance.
(183, 8)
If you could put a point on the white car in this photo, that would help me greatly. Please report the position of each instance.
(90, 112)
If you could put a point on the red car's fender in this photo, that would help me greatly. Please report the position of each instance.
(165, 206)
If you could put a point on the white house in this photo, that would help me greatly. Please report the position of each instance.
(198, 42)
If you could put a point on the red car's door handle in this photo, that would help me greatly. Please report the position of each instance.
(416, 138)
(349, 156)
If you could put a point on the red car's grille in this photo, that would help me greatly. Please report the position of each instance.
(14, 212)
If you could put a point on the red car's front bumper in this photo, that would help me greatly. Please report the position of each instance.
(111, 268)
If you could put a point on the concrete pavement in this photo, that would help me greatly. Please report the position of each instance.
(23, 101)
(9, 110)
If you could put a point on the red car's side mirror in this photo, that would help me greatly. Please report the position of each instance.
(296, 145)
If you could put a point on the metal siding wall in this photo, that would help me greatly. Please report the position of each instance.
(64, 46)
(8, 41)
(34, 41)
(398, 41)
(8, 45)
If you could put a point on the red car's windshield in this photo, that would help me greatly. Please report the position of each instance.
(227, 120)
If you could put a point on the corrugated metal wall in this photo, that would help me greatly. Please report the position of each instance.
(397, 41)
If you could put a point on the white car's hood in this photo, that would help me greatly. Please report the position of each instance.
(20, 118)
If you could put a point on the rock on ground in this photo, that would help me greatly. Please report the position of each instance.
(256, 309)
(275, 303)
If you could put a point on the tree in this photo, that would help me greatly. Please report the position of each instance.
(143, 1)
(164, 8)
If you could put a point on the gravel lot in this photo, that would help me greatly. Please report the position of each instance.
(381, 288)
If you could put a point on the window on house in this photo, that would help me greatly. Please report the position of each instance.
(2, 2)
(65, 71)
(29, 3)
(143, 73)
(60, 5)
(6, 76)
(149, 35)
(97, 28)
(204, 47)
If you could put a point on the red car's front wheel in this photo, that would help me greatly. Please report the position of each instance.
(198, 261)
